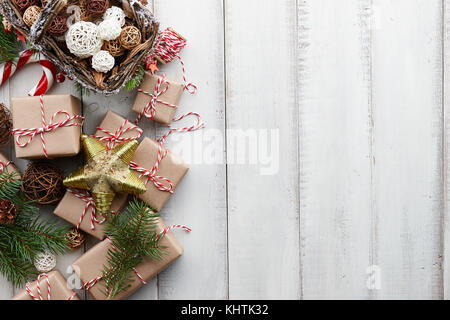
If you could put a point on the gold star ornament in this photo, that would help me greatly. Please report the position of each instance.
(106, 172)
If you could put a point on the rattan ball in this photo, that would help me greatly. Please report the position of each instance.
(115, 13)
(109, 29)
(58, 26)
(23, 4)
(130, 37)
(31, 14)
(103, 61)
(83, 39)
(114, 47)
(97, 7)
(45, 261)
(42, 182)
(5, 125)
(75, 238)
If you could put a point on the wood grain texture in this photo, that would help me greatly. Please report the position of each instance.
(263, 209)
(335, 148)
(446, 147)
(407, 115)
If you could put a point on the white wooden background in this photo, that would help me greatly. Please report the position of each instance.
(359, 90)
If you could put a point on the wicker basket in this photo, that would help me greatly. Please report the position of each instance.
(80, 69)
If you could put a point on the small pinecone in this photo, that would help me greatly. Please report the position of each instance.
(8, 211)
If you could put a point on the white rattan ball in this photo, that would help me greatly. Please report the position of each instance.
(45, 262)
(103, 61)
(115, 13)
(83, 39)
(109, 29)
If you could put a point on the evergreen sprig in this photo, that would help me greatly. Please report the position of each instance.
(136, 80)
(27, 236)
(134, 237)
(9, 45)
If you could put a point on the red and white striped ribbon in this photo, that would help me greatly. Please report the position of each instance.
(114, 138)
(29, 133)
(3, 166)
(160, 182)
(161, 87)
(167, 229)
(40, 297)
(89, 203)
(168, 46)
(26, 57)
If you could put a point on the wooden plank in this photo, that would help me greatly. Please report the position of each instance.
(446, 148)
(263, 203)
(200, 199)
(407, 115)
(335, 148)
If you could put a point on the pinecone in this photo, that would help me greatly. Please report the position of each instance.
(7, 211)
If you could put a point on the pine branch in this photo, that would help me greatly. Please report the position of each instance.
(9, 46)
(133, 235)
(136, 81)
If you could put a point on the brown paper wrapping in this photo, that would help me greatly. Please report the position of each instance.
(112, 122)
(59, 289)
(61, 142)
(5, 160)
(70, 208)
(90, 265)
(164, 114)
(171, 167)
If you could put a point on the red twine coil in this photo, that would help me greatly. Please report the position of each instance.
(29, 133)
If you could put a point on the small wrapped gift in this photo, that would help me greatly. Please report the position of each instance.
(161, 179)
(115, 129)
(90, 265)
(6, 164)
(158, 98)
(59, 289)
(46, 127)
(77, 207)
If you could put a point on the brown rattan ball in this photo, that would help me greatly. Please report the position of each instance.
(43, 182)
(130, 37)
(23, 4)
(97, 7)
(31, 14)
(114, 47)
(75, 238)
(5, 125)
(58, 26)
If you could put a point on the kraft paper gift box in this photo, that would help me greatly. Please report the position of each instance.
(58, 285)
(91, 264)
(171, 167)
(164, 114)
(61, 142)
(70, 208)
(5, 166)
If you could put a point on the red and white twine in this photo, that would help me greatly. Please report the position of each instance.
(3, 165)
(29, 133)
(114, 138)
(38, 287)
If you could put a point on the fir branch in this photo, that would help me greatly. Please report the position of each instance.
(134, 237)
(9, 46)
(136, 81)
(81, 90)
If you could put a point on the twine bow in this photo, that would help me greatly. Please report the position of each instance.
(161, 87)
(38, 286)
(27, 134)
(160, 182)
(114, 138)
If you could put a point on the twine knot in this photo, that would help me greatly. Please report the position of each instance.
(114, 138)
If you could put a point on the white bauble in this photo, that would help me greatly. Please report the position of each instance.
(83, 39)
(109, 29)
(115, 13)
(103, 61)
(45, 261)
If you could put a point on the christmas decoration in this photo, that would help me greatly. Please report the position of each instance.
(26, 57)
(83, 39)
(6, 165)
(109, 29)
(26, 236)
(130, 37)
(116, 14)
(7, 26)
(43, 183)
(9, 45)
(54, 287)
(5, 125)
(103, 61)
(58, 26)
(75, 238)
(114, 47)
(138, 242)
(106, 172)
(8, 211)
(24, 4)
(97, 7)
(44, 261)
(31, 14)
(58, 129)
